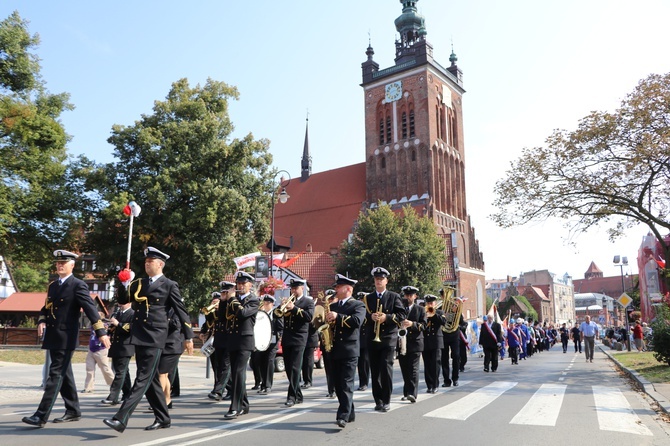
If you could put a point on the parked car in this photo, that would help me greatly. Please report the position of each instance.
(279, 360)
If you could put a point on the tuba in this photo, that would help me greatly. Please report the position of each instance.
(452, 307)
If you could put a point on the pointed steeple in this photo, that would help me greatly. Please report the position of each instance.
(412, 29)
(306, 164)
(453, 69)
(369, 66)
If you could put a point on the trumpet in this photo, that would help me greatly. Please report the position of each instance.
(281, 311)
(378, 323)
(209, 308)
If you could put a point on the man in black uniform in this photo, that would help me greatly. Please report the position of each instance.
(221, 356)
(308, 355)
(267, 357)
(207, 331)
(297, 317)
(151, 298)
(364, 358)
(240, 313)
(331, 299)
(58, 324)
(346, 316)
(121, 351)
(433, 343)
(410, 358)
(452, 344)
(385, 313)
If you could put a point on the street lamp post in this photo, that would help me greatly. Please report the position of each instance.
(283, 198)
(621, 262)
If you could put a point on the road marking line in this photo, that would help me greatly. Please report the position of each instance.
(397, 404)
(475, 401)
(615, 413)
(543, 408)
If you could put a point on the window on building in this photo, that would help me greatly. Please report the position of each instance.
(381, 131)
(388, 130)
(383, 162)
(411, 124)
(413, 155)
(404, 125)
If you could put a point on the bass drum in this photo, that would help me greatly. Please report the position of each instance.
(262, 331)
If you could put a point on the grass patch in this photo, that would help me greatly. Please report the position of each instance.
(646, 365)
(33, 356)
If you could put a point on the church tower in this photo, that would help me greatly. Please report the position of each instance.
(414, 145)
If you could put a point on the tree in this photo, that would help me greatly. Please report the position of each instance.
(406, 245)
(204, 199)
(612, 170)
(37, 205)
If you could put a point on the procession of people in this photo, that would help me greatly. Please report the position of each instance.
(364, 334)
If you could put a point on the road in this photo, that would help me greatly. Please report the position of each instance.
(550, 399)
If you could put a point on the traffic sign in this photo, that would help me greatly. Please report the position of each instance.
(625, 300)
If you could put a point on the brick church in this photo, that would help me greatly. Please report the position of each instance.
(414, 155)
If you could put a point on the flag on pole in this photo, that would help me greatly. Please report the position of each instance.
(277, 259)
(246, 260)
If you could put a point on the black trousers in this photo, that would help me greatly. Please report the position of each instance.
(60, 380)
(147, 360)
(578, 343)
(364, 368)
(514, 354)
(328, 368)
(255, 364)
(381, 370)
(409, 366)
(267, 366)
(238, 368)
(491, 357)
(464, 355)
(344, 373)
(451, 348)
(122, 382)
(431, 367)
(222, 380)
(308, 365)
(293, 362)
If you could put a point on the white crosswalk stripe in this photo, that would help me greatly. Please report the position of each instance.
(472, 403)
(543, 407)
(615, 413)
(397, 404)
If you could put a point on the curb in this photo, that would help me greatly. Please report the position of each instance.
(647, 386)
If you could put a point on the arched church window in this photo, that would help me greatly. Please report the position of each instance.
(404, 125)
(381, 131)
(388, 129)
(383, 162)
(411, 124)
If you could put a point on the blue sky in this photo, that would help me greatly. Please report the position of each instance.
(529, 67)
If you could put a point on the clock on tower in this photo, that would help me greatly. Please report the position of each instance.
(393, 91)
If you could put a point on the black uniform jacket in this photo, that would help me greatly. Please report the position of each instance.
(61, 312)
(297, 322)
(120, 335)
(240, 320)
(485, 338)
(392, 306)
(174, 345)
(151, 304)
(207, 328)
(416, 314)
(346, 339)
(433, 334)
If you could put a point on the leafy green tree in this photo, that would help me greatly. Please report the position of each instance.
(612, 170)
(205, 199)
(406, 245)
(38, 206)
(32, 277)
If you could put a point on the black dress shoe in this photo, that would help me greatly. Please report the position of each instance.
(447, 384)
(306, 386)
(386, 408)
(455, 383)
(67, 418)
(363, 388)
(330, 395)
(157, 425)
(341, 423)
(34, 421)
(227, 397)
(256, 387)
(289, 403)
(109, 402)
(411, 399)
(378, 406)
(231, 415)
(486, 370)
(115, 424)
(169, 406)
(214, 396)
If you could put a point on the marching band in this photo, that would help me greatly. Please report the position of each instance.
(365, 333)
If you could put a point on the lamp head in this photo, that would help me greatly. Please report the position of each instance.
(283, 196)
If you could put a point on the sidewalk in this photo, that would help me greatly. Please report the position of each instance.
(659, 392)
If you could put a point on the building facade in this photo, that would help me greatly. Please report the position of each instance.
(558, 289)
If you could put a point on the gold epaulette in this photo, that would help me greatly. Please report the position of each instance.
(187, 324)
(98, 325)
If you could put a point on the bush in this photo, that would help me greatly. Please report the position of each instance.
(661, 334)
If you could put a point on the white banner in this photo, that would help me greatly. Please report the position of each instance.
(246, 260)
